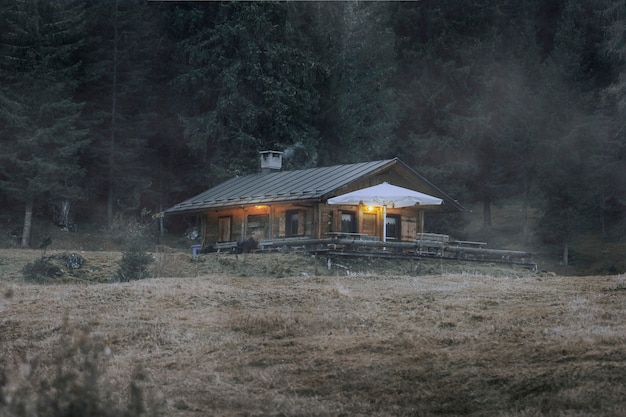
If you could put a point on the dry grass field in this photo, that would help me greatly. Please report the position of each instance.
(292, 344)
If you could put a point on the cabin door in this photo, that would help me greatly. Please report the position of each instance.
(393, 227)
(294, 223)
(348, 222)
(224, 229)
(369, 224)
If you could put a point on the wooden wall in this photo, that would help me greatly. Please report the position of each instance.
(260, 222)
(315, 221)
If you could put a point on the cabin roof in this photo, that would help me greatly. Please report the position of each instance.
(312, 185)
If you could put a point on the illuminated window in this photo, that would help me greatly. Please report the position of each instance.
(348, 222)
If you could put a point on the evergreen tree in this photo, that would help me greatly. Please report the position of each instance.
(359, 111)
(571, 177)
(449, 58)
(501, 120)
(121, 101)
(42, 140)
(246, 86)
(612, 157)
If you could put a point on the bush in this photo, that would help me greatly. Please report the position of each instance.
(134, 262)
(41, 271)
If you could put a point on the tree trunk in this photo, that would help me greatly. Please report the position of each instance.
(28, 222)
(110, 206)
(603, 223)
(525, 211)
(603, 207)
(161, 225)
(111, 159)
(487, 213)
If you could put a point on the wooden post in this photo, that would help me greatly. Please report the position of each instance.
(28, 221)
(359, 219)
(420, 221)
(316, 233)
(271, 223)
(203, 229)
(243, 224)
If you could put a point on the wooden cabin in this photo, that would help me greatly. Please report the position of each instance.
(277, 204)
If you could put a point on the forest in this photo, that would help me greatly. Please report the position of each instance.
(127, 107)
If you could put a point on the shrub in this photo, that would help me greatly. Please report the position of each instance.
(41, 271)
(134, 262)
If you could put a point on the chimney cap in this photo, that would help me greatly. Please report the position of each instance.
(272, 152)
(271, 160)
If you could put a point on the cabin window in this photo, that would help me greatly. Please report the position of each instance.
(392, 225)
(293, 221)
(224, 227)
(348, 222)
(258, 226)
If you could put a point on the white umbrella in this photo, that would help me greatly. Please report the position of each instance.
(386, 195)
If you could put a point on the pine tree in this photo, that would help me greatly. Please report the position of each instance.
(359, 111)
(247, 87)
(449, 59)
(571, 176)
(121, 106)
(42, 140)
(503, 111)
(612, 158)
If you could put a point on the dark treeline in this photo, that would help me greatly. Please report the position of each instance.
(124, 106)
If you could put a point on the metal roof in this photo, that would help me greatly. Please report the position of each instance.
(314, 184)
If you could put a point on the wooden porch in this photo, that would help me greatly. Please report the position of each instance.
(425, 245)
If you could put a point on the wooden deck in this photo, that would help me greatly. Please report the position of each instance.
(427, 246)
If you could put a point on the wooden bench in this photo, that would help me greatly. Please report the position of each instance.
(432, 237)
(429, 247)
(468, 243)
(225, 246)
(294, 243)
(346, 235)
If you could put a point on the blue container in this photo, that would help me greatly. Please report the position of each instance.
(195, 249)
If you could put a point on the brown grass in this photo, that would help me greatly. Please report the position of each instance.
(359, 345)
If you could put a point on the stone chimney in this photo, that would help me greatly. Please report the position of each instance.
(271, 161)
